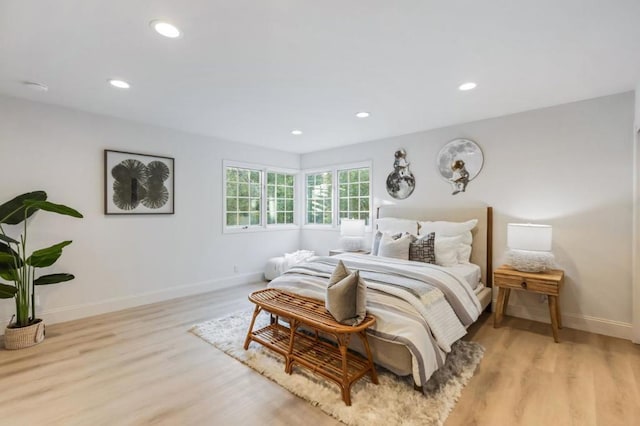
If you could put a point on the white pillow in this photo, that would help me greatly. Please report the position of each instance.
(447, 250)
(392, 225)
(375, 243)
(398, 248)
(452, 229)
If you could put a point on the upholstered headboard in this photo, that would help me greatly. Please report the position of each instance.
(481, 252)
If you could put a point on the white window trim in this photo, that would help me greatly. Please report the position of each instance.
(263, 199)
(333, 169)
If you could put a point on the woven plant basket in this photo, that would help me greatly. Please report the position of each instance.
(23, 337)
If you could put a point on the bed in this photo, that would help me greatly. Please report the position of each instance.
(422, 309)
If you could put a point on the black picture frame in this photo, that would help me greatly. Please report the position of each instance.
(138, 184)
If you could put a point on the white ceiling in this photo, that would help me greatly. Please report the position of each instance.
(253, 70)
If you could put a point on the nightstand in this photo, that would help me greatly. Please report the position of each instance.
(341, 251)
(506, 278)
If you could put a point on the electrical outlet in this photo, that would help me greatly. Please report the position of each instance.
(235, 269)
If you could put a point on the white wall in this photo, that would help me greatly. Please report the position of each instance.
(121, 261)
(568, 166)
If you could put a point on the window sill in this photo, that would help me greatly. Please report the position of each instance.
(250, 229)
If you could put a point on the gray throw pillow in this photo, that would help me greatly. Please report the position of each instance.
(346, 298)
(423, 249)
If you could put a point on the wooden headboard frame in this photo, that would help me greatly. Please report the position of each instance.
(482, 247)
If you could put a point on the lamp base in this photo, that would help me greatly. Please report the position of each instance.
(530, 261)
(351, 243)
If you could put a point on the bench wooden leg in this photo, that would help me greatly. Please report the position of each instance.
(372, 367)
(343, 343)
(293, 326)
(253, 321)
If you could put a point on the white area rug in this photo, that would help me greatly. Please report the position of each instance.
(392, 402)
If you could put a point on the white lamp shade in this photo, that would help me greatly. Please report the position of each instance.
(525, 236)
(352, 227)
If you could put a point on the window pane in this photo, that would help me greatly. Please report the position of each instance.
(243, 175)
(243, 219)
(255, 176)
(232, 204)
(364, 189)
(232, 190)
(255, 190)
(271, 178)
(289, 206)
(319, 198)
(255, 218)
(243, 204)
(278, 194)
(255, 204)
(232, 174)
(232, 219)
(243, 190)
(353, 195)
(288, 217)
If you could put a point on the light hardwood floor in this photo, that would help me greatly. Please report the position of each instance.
(141, 366)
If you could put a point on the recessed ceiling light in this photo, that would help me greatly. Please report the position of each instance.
(296, 132)
(120, 84)
(362, 114)
(166, 29)
(38, 87)
(467, 86)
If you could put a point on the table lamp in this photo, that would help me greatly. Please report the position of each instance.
(352, 234)
(529, 247)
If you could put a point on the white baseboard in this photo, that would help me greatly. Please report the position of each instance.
(73, 312)
(577, 321)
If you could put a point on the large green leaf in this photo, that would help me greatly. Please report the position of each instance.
(8, 259)
(7, 291)
(8, 239)
(47, 256)
(51, 207)
(53, 279)
(12, 212)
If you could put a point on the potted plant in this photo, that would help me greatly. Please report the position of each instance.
(18, 267)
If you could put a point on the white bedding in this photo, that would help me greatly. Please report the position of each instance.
(471, 273)
(427, 325)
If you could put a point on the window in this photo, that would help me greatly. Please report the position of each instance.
(243, 196)
(319, 193)
(280, 198)
(258, 197)
(353, 194)
(349, 197)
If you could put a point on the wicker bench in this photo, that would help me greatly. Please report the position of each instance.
(334, 363)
